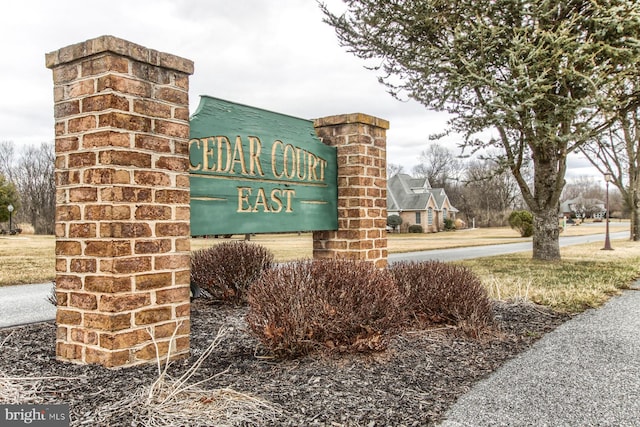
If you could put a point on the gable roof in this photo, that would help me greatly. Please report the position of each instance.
(442, 200)
(405, 193)
(571, 204)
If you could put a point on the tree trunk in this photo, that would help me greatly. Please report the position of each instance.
(634, 207)
(548, 180)
(546, 233)
(635, 220)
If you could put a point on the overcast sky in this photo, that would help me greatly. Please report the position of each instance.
(278, 56)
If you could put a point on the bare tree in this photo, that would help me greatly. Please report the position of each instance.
(7, 160)
(618, 152)
(394, 169)
(489, 193)
(34, 178)
(439, 165)
(584, 186)
(443, 170)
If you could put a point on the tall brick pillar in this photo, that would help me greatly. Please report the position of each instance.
(362, 188)
(122, 209)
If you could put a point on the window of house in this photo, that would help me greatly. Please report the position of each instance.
(418, 218)
(444, 213)
(429, 216)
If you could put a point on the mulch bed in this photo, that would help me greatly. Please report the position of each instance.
(413, 383)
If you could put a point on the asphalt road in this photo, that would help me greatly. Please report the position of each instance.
(28, 303)
(446, 255)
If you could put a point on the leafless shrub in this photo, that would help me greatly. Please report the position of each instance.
(227, 270)
(337, 304)
(437, 292)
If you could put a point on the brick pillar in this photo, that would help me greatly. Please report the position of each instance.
(362, 188)
(122, 209)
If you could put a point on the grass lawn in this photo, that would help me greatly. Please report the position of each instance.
(27, 259)
(585, 277)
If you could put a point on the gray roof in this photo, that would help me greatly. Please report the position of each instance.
(571, 204)
(405, 193)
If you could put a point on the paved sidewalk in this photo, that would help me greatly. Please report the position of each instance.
(585, 373)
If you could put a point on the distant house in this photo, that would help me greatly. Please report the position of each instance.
(581, 207)
(416, 202)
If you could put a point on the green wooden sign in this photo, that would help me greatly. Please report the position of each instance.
(256, 171)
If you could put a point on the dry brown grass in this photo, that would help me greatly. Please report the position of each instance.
(586, 276)
(181, 401)
(285, 247)
(31, 258)
(26, 259)
(26, 228)
(288, 247)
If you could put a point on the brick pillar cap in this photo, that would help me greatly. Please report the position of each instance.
(119, 46)
(343, 119)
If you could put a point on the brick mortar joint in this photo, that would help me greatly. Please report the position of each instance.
(127, 74)
(97, 114)
(155, 155)
(131, 98)
(136, 347)
(84, 311)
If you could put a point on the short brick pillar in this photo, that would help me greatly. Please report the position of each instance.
(362, 188)
(122, 210)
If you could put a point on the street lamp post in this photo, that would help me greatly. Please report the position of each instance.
(608, 177)
(10, 209)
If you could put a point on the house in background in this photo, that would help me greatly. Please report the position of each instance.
(416, 202)
(582, 207)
